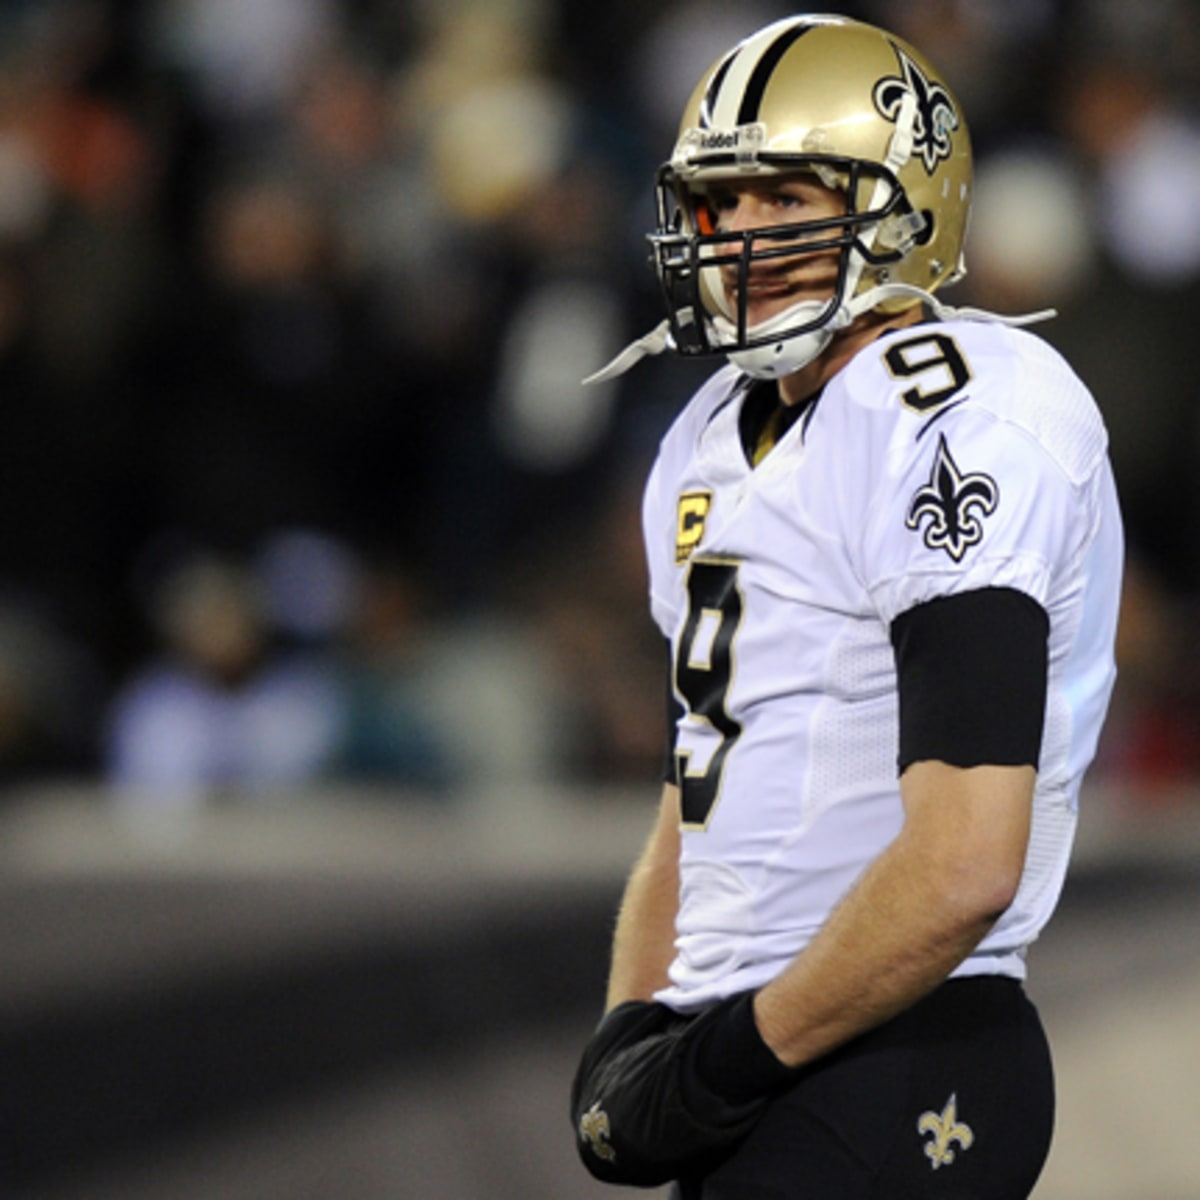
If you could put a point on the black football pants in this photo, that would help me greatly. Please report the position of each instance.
(952, 1100)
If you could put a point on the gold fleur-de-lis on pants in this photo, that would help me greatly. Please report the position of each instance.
(947, 1130)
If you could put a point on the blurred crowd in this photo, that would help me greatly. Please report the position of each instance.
(299, 483)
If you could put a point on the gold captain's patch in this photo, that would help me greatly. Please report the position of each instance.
(689, 528)
(947, 1130)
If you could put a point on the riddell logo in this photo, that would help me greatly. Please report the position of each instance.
(720, 141)
(744, 141)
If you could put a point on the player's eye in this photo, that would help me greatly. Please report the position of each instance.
(719, 202)
(790, 200)
(717, 209)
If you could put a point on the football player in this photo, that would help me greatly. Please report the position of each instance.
(885, 548)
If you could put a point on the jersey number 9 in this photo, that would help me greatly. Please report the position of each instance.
(704, 663)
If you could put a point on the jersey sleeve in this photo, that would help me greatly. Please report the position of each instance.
(657, 530)
(665, 515)
(973, 501)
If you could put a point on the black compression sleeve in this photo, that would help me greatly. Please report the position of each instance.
(971, 671)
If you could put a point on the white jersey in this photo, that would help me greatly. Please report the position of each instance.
(944, 458)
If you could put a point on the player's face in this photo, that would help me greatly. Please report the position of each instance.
(777, 283)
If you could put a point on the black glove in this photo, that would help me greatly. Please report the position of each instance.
(658, 1095)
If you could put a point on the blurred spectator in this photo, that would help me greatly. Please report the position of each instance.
(218, 709)
(681, 41)
(1000, 59)
(299, 666)
(607, 661)
(1032, 242)
(1126, 118)
(391, 731)
(1124, 108)
(259, 377)
(243, 55)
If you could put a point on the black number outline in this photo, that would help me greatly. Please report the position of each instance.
(897, 357)
(713, 588)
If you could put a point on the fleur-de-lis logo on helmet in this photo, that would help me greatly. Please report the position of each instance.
(947, 1131)
(948, 501)
(937, 116)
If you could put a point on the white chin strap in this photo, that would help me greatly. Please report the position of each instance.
(774, 360)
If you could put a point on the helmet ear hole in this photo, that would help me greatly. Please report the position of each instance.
(925, 234)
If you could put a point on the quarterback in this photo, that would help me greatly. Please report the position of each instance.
(885, 551)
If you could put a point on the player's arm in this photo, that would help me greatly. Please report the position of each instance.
(644, 941)
(642, 1113)
(972, 675)
(917, 912)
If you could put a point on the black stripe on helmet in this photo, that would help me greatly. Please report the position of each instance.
(757, 86)
(709, 103)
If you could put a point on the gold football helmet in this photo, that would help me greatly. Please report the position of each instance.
(863, 112)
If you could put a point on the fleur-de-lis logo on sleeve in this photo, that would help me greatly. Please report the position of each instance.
(948, 1131)
(953, 504)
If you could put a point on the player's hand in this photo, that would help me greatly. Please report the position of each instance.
(647, 1101)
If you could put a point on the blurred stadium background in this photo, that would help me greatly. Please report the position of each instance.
(330, 715)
